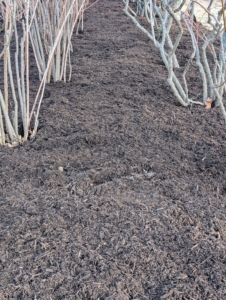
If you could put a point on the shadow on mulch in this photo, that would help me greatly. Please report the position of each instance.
(122, 193)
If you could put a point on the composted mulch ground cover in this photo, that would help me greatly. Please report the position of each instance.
(122, 194)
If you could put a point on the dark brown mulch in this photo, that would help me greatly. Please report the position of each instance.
(139, 210)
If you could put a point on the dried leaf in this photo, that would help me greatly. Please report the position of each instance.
(208, 103)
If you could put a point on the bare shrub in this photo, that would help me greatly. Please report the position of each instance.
(161, 16)
(48, 27)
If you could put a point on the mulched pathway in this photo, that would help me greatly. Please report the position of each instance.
(122, 194)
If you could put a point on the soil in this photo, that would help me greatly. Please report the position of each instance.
(122, 194)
